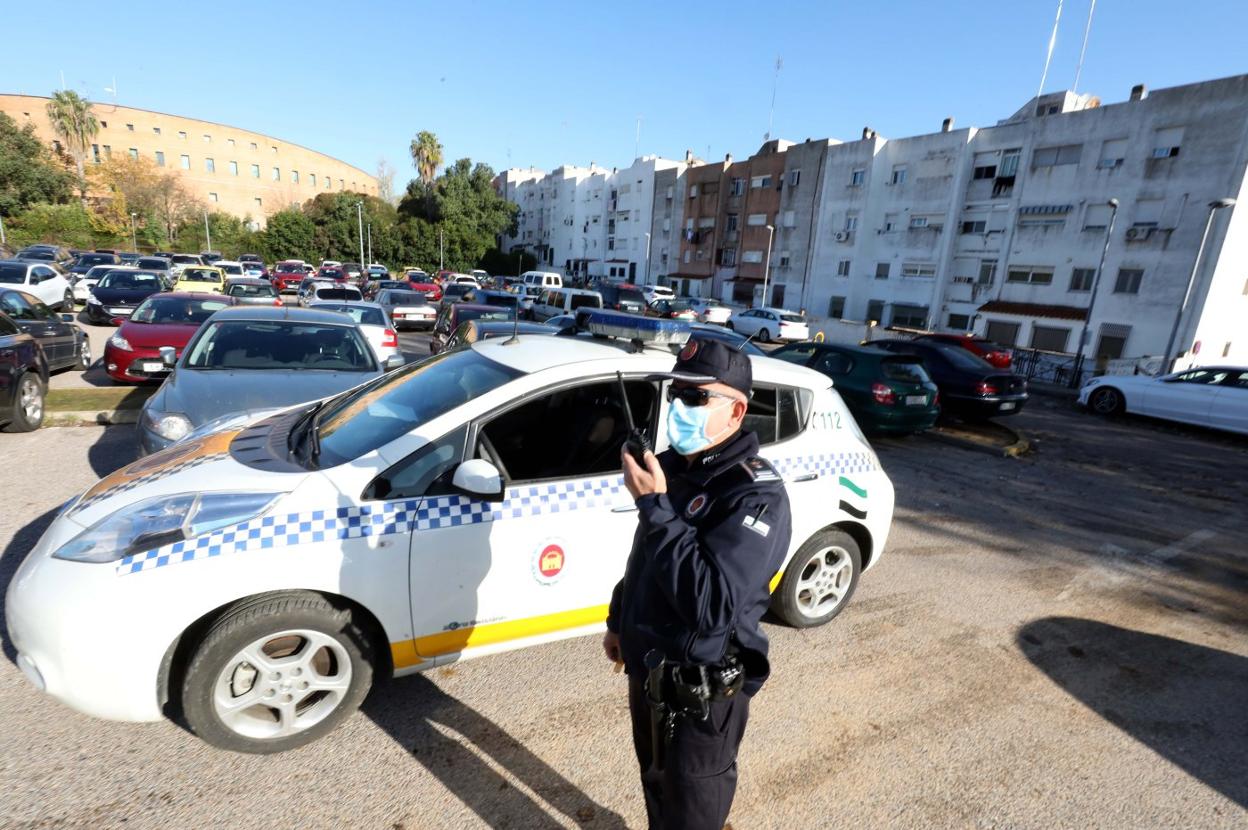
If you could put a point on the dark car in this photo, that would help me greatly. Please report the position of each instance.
(210, 257)
(671, 310)
(970, 387)
(251, 258)
(23, 379)
(331, 275)
(996, 354)
(133, 355)
(54, 254)
(455, 292)
(451, 317)
(86, 262)
(490, 297)
(128, 257)
(622, 297)
(475, 330)
(120, 292)
(377, 286)
(885, 392)
(65, 345)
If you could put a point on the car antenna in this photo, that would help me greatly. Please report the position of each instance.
(515, 325)
(746, 341)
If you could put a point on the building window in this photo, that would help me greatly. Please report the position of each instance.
(134, 152)
(1128, 281)
(253, 147)
(1147, 213)
(959, 322)
(277, 175)
(836, 307)
(728, 256)
(341, 186)
(207, 138)
(753, 257)
(784, 259)
(1049, 338)
(1113, 153)
(842, 268)
(875, 310)
(918, 270)
(1166, 142)
(760, 181)
(756, 219)
(1056, 156)
(882, 269)
(1081, 279)
(910, 316)
(795, 176)
(186, 162)
(210, 166)
(851, 220)
(974, 226)
(1096, 218)
(985, 171)
(918, 221)
(255, 171)
(130, 128)
(212, 197)
(182, 134)
(259, 202)
(1030, 276)
(155, 130)
(294, 176)
(987, 271)
(108, 152)
(1034, 220)
(733, 222)
(274, 149)
(890, 222)
(312, 180)
(1113, 340)
(789, 219)
(999, 331)
(899, 174)
(230, 142)
(160, 158)
(233, 168)
(857, 177)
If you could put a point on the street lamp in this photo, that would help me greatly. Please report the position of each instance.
(370, 245)
(134, 239)
(1096, 281)
(771, 231)
(1167, 359)
(359, 215)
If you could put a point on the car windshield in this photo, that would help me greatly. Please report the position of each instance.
(792, 318)
(457, 289)
(281, 345)
(200, 275)
(12, 274)
(40, 255)
(631, 295)
(337, 294)
(498, 313)
(96, 259)
(376, 413)
(129, 281)
(185, 259)
(248, 290)
(900, 368)
(583, 300)
(403, 298)
(176, 310)
(362, 314)
(231, 269)
(153, 262)
(97, 271)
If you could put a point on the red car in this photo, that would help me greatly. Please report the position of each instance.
(432, 291)
(996, 354)
(287, 276)
(132, 354)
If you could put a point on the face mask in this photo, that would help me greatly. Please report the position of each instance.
(686, 427)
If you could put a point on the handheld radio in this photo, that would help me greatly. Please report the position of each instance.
(636, 443)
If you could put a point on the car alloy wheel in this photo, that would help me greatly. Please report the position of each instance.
(819, 580)
(27, 405)
(825, 578)
(764, 336)
(67, 303)
(1107, 401)
(84, 356)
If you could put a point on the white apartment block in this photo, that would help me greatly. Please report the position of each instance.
(1000, 230)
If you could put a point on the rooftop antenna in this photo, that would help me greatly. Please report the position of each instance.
(1049, 56)
(771, 112)
(1086, 29)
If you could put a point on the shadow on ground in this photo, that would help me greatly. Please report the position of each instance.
(441, 733)
(1184, 701)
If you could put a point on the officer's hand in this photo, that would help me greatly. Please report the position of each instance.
(611, 645)
(642, 482)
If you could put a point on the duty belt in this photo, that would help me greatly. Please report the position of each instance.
(676, 690)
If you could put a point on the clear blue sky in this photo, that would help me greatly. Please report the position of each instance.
(542, 83)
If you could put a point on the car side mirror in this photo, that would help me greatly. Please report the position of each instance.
(68, 318)
(395, 361)
(168, 355)
(479, 478)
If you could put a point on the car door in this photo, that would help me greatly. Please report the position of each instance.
(55, 337)
(1230, 403)
(747, 323)
(1186, 397)
(558, 541)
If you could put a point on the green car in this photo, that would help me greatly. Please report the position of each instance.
(886, 392)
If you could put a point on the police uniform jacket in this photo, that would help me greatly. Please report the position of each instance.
(703, 556)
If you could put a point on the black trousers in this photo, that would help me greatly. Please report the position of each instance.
(699, 779)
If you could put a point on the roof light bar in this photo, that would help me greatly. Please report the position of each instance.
(640, 330)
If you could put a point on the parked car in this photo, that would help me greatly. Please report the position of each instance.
(970, 387)
(23, 379)
(671, 310)
(482, 277)
(488, 296)
(556, 301)
(256, 258)
(288, 275)
(542, 279)
(430, 289)
(51, 254)
(83, 285)
(377, 286)
(255, 270)
(200, 278)
(179, 261)
(407, 309)
(156, 264)
(416, 275)
(253, 291)
(450, 317)
(353, 272)
(622, 297)
(526, 296)
(766, 324)
(64, 344)
(311, 282)
(330, 263)
(374, 322)
(737, 341)
(87, 261)
(473, 331)
(119, 293)
(454, 292)
(331, 274)
(885, 392)
(376, 271)
(249, 359)
(1208, 396)
(39, 279)
(996, 354)
(230, 268)
(710, 310)
(134, 353)
(657, 292)
(334, 292)
(128, 257)
(211, 257)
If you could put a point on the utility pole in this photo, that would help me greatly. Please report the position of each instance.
(767, 263)
(207, 233)
(1096, 282)
(370, 245)
(134, 238)
(2, 239)
(1167, 363)
(441, 258)
(359, 215)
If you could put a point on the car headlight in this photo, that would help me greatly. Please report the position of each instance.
(173, 426)
(92, 300)
(119, 342)
(161, 521)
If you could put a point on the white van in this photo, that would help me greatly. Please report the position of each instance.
(556, 301)
(542, 279)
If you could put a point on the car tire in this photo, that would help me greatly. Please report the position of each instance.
(305, 642)
(764, 336)
(67, 302)
(1107, 401)
(28, 405)
(819, 580)
(84, 354)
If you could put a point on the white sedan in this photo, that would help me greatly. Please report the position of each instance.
(710, 310)
(1208, 396)
(468, 504)
(768, 324)
(374, 324)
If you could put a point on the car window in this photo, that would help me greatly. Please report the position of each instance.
(41, 273)
(405, 298)
(245, 290)
(570, 433)
(792, 318)
(199, 275)
(776, 413)
(364, 315)
(152, 262)
(7, 328)
(1238, 379)
(834, 363)
(426, 472)
(795, 354)
(12, 274)
(1201, 376)
(494, 313)
(902, 369)
(959, 357)
(585, 301)
(16, 306)
(176, 310)
(376, 413)
(279, 345)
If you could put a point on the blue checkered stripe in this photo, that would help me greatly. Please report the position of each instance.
(825, 464)
(148, 479)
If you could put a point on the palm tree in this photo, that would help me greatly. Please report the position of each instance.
(75, 125)
(426, 155)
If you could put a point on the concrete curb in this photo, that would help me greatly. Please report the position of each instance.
(1020, 445)
(86, 418)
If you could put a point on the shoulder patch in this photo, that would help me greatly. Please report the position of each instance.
(760, 469)
(697, 506)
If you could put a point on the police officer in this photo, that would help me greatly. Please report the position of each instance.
(713, 530)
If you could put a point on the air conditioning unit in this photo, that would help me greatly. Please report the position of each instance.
(841, 236)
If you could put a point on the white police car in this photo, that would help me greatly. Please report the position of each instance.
(257, 579)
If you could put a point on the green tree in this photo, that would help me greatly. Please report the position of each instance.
(68, 224)
(289, 234)
(28, 173)
(426, 155)
(463, 204)
(499, 262)
(75, 125)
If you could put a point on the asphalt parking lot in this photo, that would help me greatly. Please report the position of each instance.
(1051, 641)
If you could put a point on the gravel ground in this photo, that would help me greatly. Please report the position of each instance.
(1054, 641)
